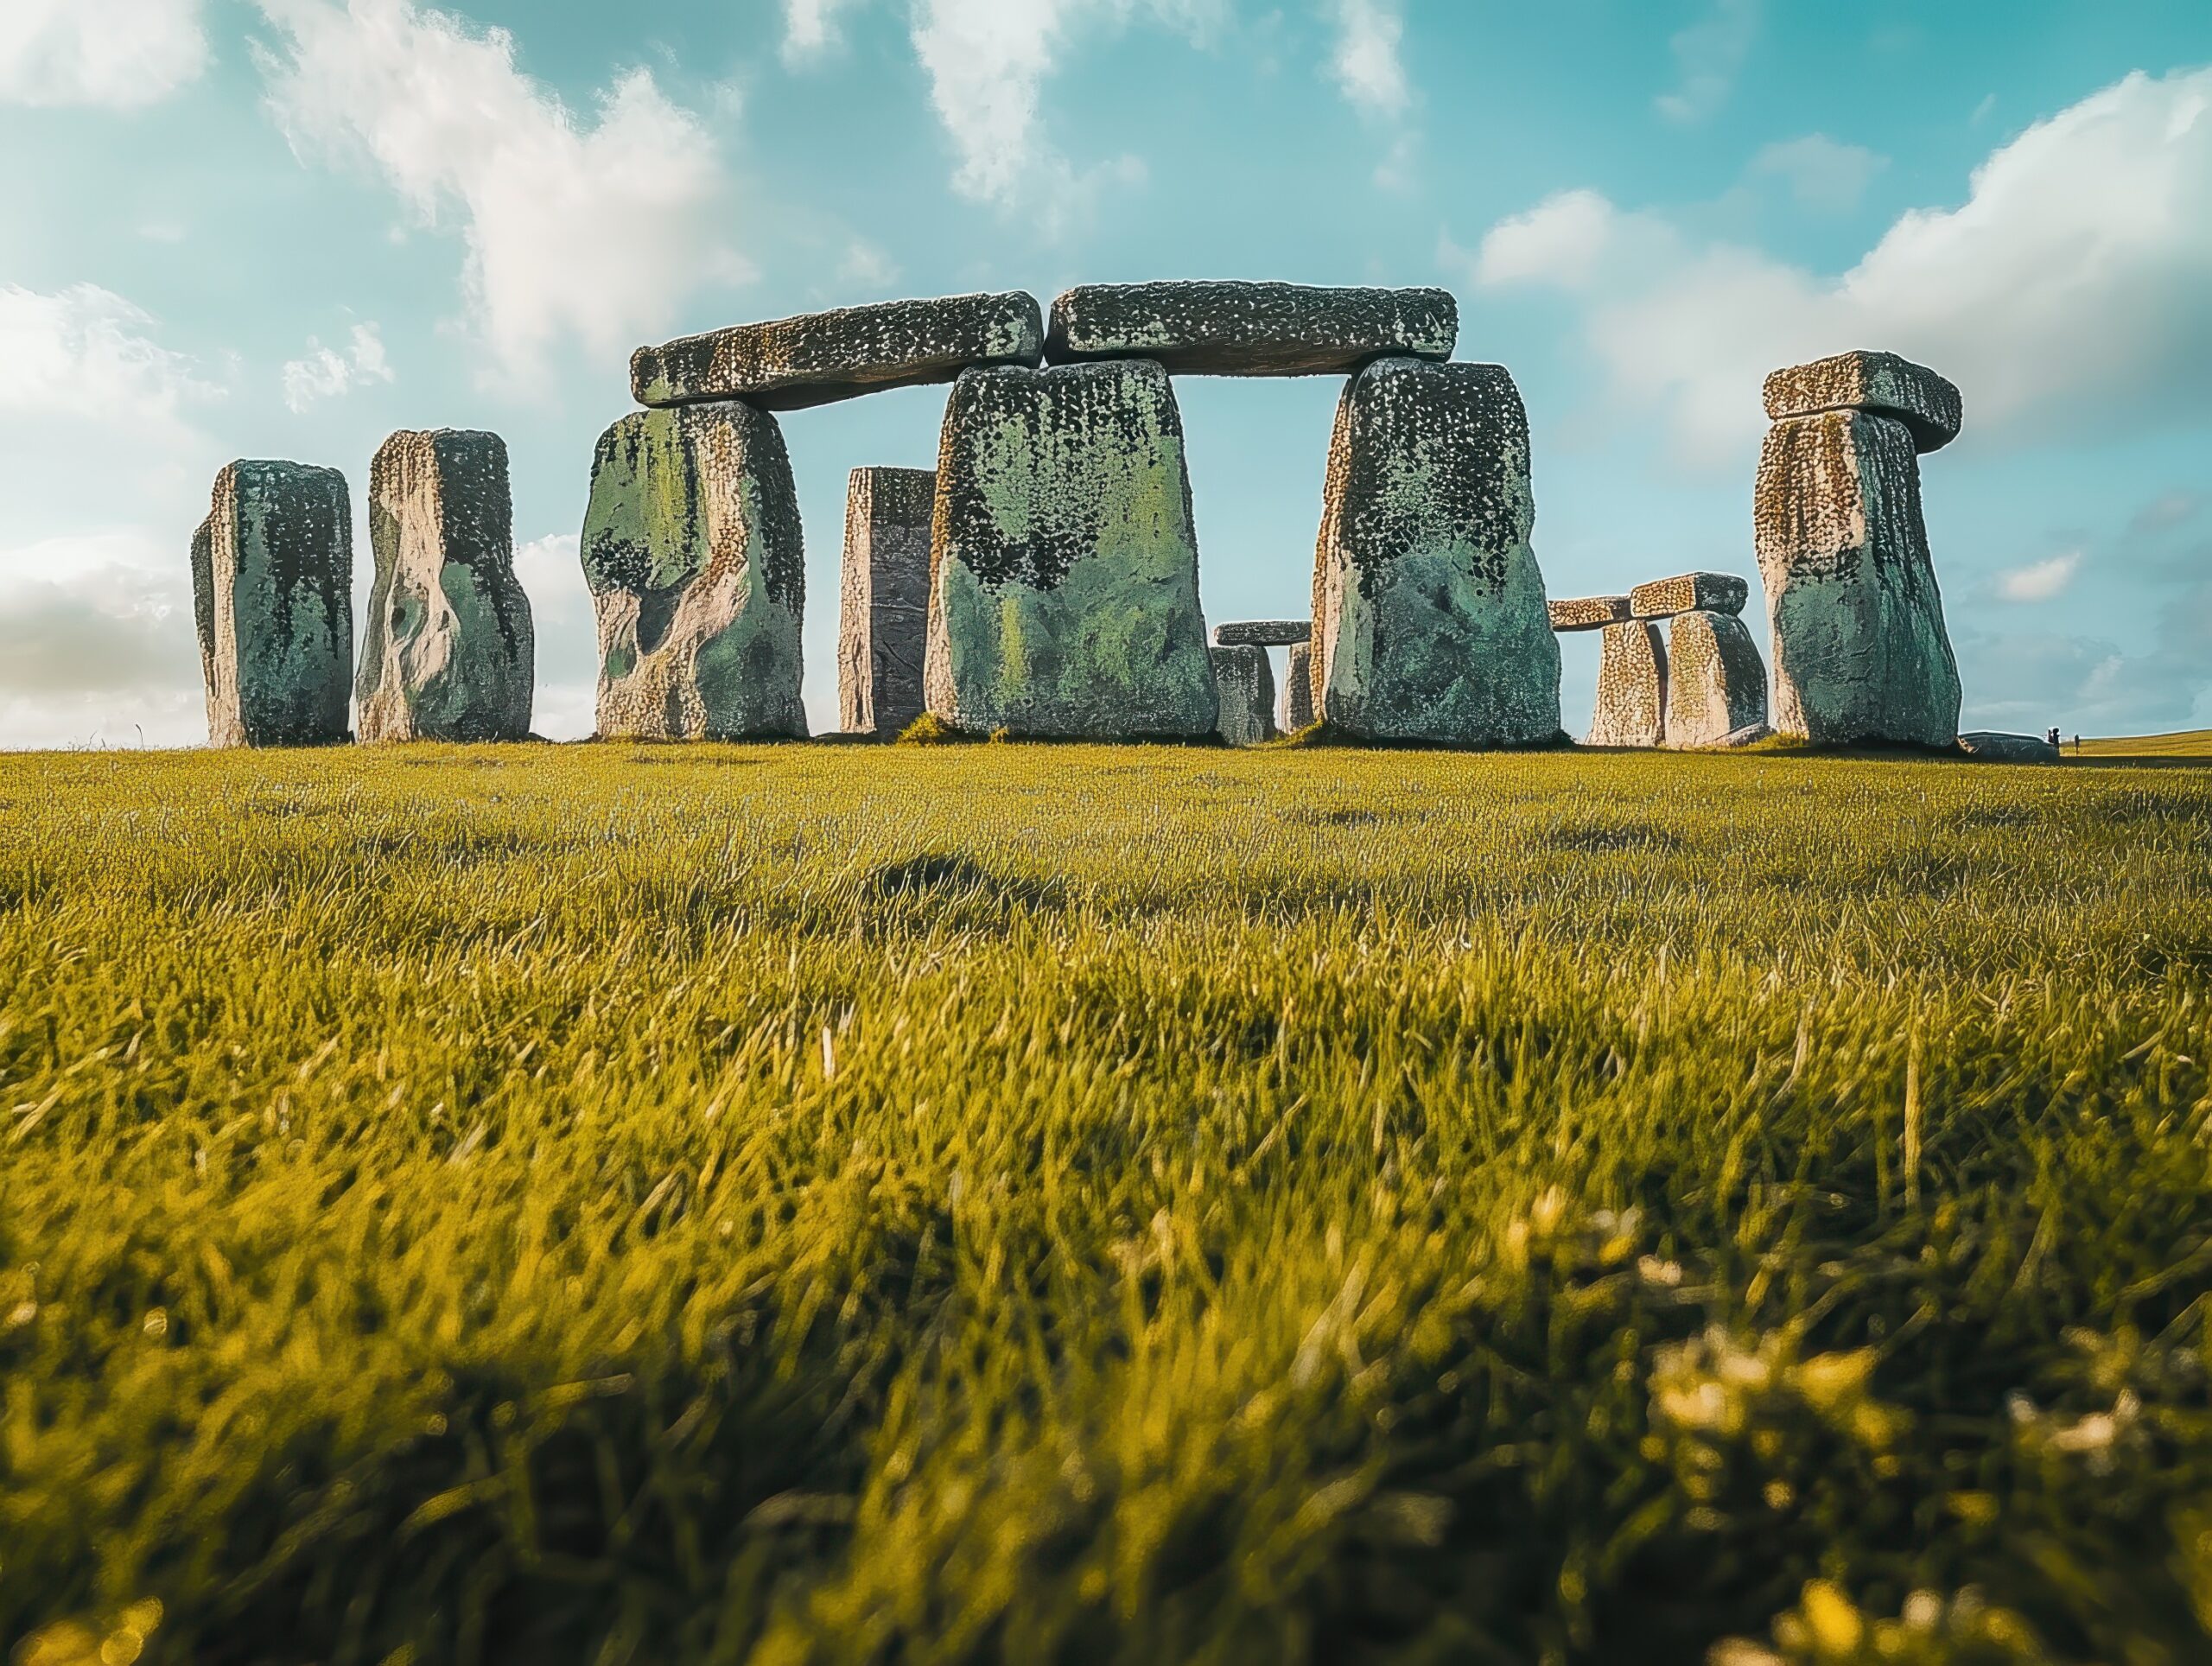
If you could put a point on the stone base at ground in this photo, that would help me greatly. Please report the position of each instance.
(1245, 685)
(1995, 746)
(692, 550)
(1716, 682)
(1298, 690)
(883, 615)
(1429, 616)
(1589, 613)
(272, 590)
(1064, 587)
(1927, 405)
(447, 651)
(1860, 652)
(1631, 709)
(1250, 329)
(1689, 593)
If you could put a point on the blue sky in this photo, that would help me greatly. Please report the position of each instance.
(287, 227)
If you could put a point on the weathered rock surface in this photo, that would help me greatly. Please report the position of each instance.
(1250, 329)
(447, 651)
(1689, 593)
(1881, 383)
(1245, 685)
(691, 547)
(1589, 613)
(1750, 735)
(883, 617)
(1860, 652)
(1298, 689)
(1631, 708)
(1995, 746)
(1430, 622)
(272, 593)
(1716, 682)
(1264, 632)
(1064, 571)
(816, 359)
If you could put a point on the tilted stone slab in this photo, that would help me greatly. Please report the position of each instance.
(1716, 682)
(272, 593)
(1065, 574)
(1298, 690)
(1881, 383)
(1631, 710)
(447, 649)
(1689, 593)
(1250, 329)
(1996, 746)
(692, 550)
(816, 359)
(1589, 613)
(883, 615)
(1245, 685)
(1860, 651)
(1429, 618)
(1264, 632)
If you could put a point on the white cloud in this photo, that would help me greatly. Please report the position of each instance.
(1708, 55)
(85, 352)
(326, 373)
(567, 635)
(1367, 64)
(866, 267)
(1821, 172)
(591, 230)
(810, 27)
(97, 644)
(2039, 581)
(2073, 286)
(121, 54)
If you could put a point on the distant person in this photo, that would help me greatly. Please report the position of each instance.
(2053, 738)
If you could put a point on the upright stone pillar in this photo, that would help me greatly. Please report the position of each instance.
(1429, 618)
(1298, 689)
(273, 591)
(1716, 682)
(1064, 571)
(1245, 684)
(448, 650)
(692, 550)
(1631, 687)
(1860, 651)
(883, 616)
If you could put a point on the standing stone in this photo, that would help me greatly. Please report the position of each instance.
(1689, 593)
(1590, 612)
(1860, 652)
(692, 550)
(447, 649)
(1882, 383)
(884, 603)
(1631, 687)
(1716, 682)
(1250, 329)
(1429, 619)
(1246, 685)
(272, 593)
(1298, 689)
(1064, 571)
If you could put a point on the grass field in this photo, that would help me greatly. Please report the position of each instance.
(1023, 1204)
(2190, 743)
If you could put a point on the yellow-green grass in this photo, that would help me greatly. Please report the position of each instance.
(2188, 743)
(1053, 1203)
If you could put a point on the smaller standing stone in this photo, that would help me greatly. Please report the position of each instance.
(1590, 612)
(1716, 682)
(272, 589)
(1881, 383)
(1246, 685)
(1631, 687)
(883, 617)
(1298, 689)
(1250, 329)
(1995, 746)
(1690, 593)
(1264, 632)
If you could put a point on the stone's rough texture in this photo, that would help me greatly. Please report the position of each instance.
(1995, 746)
(1064, 593)
(1590, 612)
(1860, 652)
(1264, 632)
(1298, 690)
(1749, 735)
(1250, 329)
(1716, 682)
(272, 593)
(1879, 382)
(1429, 620)
(1245, 684)
(691, 548)
(817, 358)
(447, 649)
(1631, 687)
(883, 619)
(1689, 593)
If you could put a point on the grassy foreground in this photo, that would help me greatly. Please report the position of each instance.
(2188, 743)
(810, 1205)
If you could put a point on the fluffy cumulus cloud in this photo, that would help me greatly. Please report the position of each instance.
(591, 227)
(567, 636)
(2074, 285)
(97, 644)
(1367, 63)
(810, 27)
(2039, 581)
(329, 372)
(120, 53)
(85, 352)
(1708, 56)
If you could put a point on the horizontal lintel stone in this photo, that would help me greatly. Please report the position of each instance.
(1589, 613)
(1881, 383)
(1251, 330)
(1689, 593)
(1263, 632)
